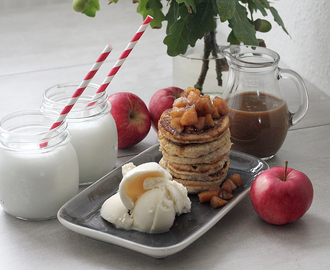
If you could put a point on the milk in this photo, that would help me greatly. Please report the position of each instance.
(93, 129)
(36, 181)
(95, 142)
(36, 186)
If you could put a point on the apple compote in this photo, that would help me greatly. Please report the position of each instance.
(194, 109)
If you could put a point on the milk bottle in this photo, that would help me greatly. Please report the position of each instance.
(36, 180)
(93, 129)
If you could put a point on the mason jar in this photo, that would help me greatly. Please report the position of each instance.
(92, 127)
(38, 168)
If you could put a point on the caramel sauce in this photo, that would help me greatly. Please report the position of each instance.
(258, 123)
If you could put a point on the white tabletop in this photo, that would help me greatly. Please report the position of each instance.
(46, 42)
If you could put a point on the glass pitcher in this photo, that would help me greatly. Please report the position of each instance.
(259, 114)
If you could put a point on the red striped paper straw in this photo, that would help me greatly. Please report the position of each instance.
(82, 86)
(123, 57)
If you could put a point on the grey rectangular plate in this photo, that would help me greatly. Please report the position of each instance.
(82, 213)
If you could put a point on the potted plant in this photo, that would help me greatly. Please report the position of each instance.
(191, 20)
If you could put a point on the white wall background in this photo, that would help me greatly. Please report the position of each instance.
(308, 50)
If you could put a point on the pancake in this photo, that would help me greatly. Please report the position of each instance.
(192, 176)
(198, 184)
(211, 157)
(199, 168)
(197, 150)
(189, 134)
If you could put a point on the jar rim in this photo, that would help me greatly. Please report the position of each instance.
(57, 96)
(16, 130)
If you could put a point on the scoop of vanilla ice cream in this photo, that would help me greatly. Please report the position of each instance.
(179, 195)
(153, 212)
(114, 211)
(174, 191)
(127, 167)
(139, 179)
(151, 196)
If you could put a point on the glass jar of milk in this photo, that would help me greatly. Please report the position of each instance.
(38, 169)
(92, 127)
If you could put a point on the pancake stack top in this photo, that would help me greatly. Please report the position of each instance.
(195, 142)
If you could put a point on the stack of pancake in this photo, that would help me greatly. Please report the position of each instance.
(197, 159)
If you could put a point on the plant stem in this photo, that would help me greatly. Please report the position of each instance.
(210, 46)
(285, 169)
(205, 65)
(218, 66)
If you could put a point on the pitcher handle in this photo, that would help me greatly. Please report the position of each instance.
(302, 90)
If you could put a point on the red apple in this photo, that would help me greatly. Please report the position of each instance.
(131, 116)
(281, 195)
(163, 99)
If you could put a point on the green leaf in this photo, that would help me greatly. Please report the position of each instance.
(177, 39)
(264, 3)
(200, 22)
(189, 27)
(232, 39)
(172, 15)
(226, 9)
(255, 5)
(91, 7)
(278, 19)
(243, 29)
(190, 4)
(154, 9)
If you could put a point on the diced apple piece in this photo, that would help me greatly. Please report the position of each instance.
(209, 121)
(189, 117)
(228, 186)
(207, 106)
(177, 112)
(217, 202)
(195, 99)
(233, 185)
(221, 105)
(223, 194)
(237, 179)
(191, 89)
(180, 102)
(207, 97)
(175, 124)
(205, 196)
(200, 108)
(192, 98)
(187, 91)
(200, 124)
(215, 113)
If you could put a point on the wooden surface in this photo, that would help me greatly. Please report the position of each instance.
(44, 43)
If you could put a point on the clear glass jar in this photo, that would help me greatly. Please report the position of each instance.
(36, 178)
(189, 68)
(92, 127)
